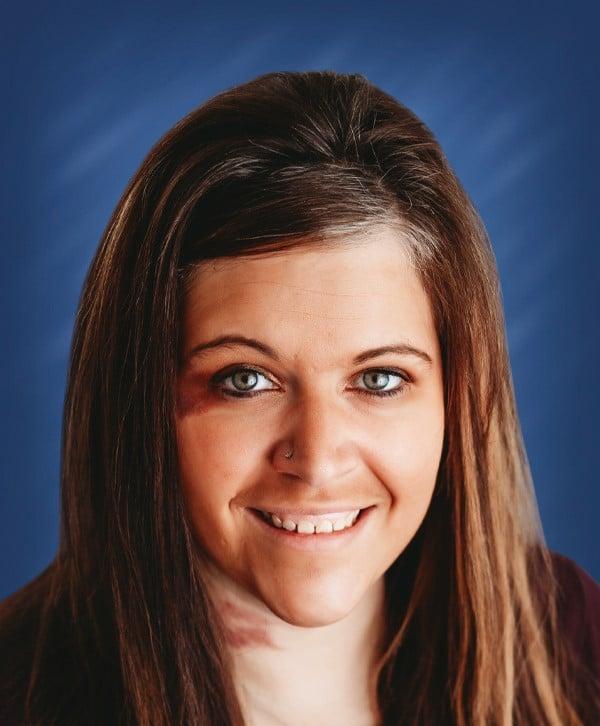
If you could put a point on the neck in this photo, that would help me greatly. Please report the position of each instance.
(286, 673)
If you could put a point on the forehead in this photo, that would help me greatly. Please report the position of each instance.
(362, 291)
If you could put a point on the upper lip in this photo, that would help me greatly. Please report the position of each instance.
(308, 510)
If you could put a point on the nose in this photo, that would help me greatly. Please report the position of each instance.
(321, 438)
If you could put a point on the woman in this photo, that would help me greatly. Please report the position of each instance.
(294, 487)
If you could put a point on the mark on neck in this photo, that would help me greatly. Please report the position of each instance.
(243, 628)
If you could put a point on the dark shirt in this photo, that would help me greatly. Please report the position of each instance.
(579, 610)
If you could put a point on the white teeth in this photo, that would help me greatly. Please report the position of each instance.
(305, 526)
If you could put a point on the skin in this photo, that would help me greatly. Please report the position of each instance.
(302, 626)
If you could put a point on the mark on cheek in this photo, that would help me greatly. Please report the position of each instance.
(189, 398)
(244, 628)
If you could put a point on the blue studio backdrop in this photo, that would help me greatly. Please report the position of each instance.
(510, 90)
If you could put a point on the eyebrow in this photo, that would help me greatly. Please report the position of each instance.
(233, 340)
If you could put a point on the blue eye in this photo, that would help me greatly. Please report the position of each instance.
(244, 381)
(245, 378)
(385, 374)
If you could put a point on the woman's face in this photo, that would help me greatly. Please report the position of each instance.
(312, 313)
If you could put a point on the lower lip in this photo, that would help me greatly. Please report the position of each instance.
(322, 542)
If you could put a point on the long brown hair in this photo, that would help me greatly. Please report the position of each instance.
(288, 159)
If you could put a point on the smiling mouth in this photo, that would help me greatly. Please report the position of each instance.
(312, 525)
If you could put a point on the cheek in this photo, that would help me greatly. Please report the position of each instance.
(408, 473)
(214, 462)
(409, 451)
(213, 452)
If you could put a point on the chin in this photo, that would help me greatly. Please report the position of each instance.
(311, 610)
(310, 617)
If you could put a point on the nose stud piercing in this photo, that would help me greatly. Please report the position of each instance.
(289, 454)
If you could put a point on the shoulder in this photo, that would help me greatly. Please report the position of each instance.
(72, 671)
(20, 616)
(578, 607)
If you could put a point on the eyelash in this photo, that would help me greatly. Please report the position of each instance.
(219, 378)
